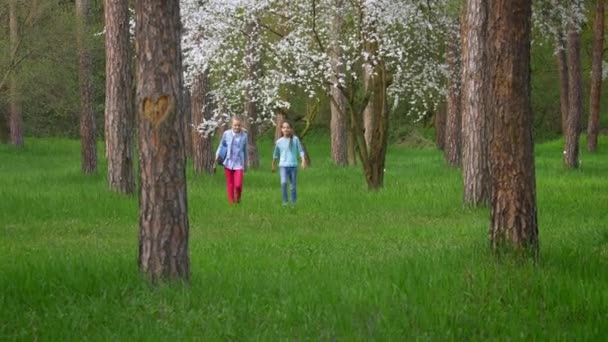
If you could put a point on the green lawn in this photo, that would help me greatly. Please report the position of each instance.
(406, 263)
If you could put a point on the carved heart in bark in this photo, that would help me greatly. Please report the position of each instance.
(157, 111)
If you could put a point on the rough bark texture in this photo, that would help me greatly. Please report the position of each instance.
(88, 132)
(16, 115)
(513, 219)
(453, 128)
(163, 205)
(338, 127)
(575, 100)
(562, 69)
(202, 108)
(119, 116)
(475, 163)
(593, 125)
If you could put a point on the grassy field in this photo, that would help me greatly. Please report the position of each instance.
(406, 263)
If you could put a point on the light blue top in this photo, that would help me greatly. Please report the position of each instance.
(236, 156)
(286, 153)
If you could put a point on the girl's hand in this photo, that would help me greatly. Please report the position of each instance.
(303, 164)
(272, 169)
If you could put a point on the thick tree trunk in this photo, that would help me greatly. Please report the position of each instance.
(119, 116)
(163, 204)
(513, 219)
(252, 63)
(338, 124)
(88, 132)
(562, 69)
(453, 129)
(593, 125)
(475, 163)
(575, 97)
(439, 122)
(202, 108)
(16, 115)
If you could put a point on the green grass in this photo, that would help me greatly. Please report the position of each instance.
(406, 263)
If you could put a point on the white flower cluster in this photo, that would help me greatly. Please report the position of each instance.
(289, 43)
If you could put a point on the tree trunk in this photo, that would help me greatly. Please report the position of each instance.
(453, 129)
(373, 162)
(475, 164)
(16, 116)
(338, 128)
(163, 203)
(575, 97)
(593, 126)
(439, 122)
(119, 117)
(252, 63)
(369, 119)
(85, 75)
(562, 68)
(280, 118)
(202, 108)
(513, 219)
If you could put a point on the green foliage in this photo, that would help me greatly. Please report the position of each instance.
(48, 75)
(405, 263)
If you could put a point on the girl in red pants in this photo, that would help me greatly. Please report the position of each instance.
(232, 153)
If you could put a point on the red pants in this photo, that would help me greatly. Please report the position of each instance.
(234, 184)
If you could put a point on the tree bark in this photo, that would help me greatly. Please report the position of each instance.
(4, 133)
(593, 125)
(575, 96)
(202, 108)
(453, 129)
(85, 74)
(475, 163)
(16, 115)
(513, 219)
(338, 125)
(119, 116)
(163, 204)
(562, 68)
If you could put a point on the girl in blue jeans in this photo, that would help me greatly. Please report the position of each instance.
(286, 150)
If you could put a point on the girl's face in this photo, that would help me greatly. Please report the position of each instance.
(286, 129)
(236, 126)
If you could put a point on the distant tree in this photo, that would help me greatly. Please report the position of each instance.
(475, 84)
(163, 204)
(339, 120)
(453, 125)
(202, 108)
(16, 115)
(513, 218)
(593, 125)
(119, 117)
(562, 69)
(88, 131)
(253, 71)
(575, 99)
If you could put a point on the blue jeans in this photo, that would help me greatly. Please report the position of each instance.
(289, 172)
